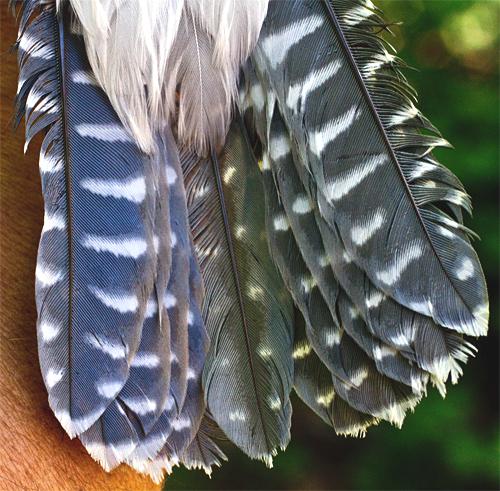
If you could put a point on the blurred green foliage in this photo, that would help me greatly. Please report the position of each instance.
(450, 444)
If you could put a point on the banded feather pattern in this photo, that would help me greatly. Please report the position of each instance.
(96, 261)
(119, 292)
(240, 200)
(327, 101)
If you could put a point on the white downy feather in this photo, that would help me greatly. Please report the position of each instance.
(142, 52)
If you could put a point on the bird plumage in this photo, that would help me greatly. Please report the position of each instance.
(214, 239)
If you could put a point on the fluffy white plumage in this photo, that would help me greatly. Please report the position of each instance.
(142, 52)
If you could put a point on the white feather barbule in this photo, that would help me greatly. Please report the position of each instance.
(142, 52)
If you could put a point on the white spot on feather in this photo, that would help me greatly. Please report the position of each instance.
(358, 14)
(228, 174)
(75, 426)
(239, 232)
(333, 337)
(109, 389)
(53, 377)
(85, 77)
(266, 163)
(363, 232)
(36, 47)
(237, 416)
(53, 222)
(115, 351)
(301, 90)
(342, 185)
(255, 292)
(47, 276)
(466, 270)
(151, 308)
(302, 350)
(302, 205)
(308, 283)
(133, 189)
(265, 352)
(399, 117)
(133, 247)
(279, 146)
(122, 303)
(49, 330)
(171, 175)
(173, 239)
(326, 399)
(274, 403)
(319, 139)
(400, 340)
(324, 261)
(146, 360)
(169, 300)
(399, 264)
(359, 378)
(377, 62)
(141, 406)
(281, 223)
(374, 300)
(257, 97)
(383, 351)
(277, 45)
(48, 164)
(481, 315)
(180, 424)
(104, 132)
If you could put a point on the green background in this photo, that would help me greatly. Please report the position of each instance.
(445, 444)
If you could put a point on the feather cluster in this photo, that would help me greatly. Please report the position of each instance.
(143, 53)
(198, 261)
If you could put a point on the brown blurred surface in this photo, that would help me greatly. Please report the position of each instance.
(35, 452)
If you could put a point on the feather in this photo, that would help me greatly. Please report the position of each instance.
(95, 266)
(247, 312)
(355, 378)
(337, 87)
(144, 396)
(164, 451)
(203, 452)
(319, 118)
(181, 291)
(164, 45)
(313, 384)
